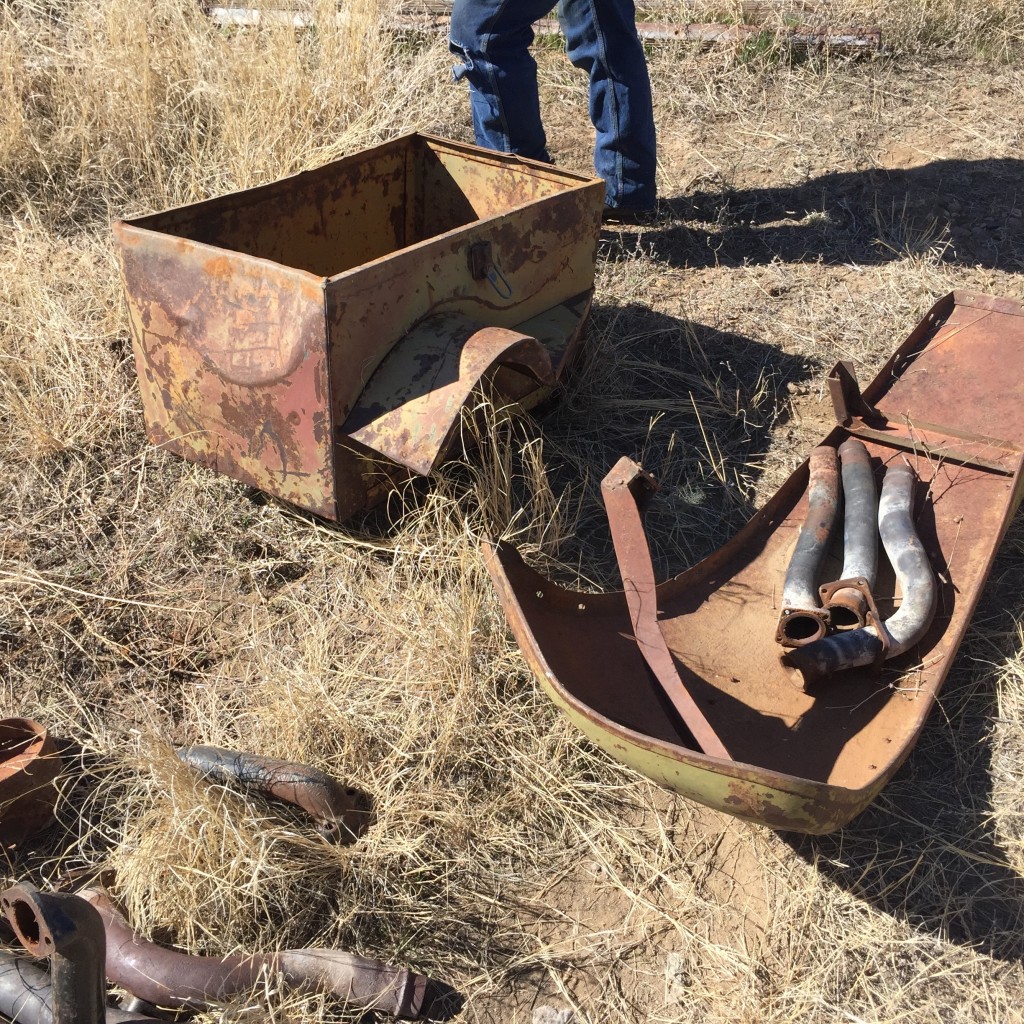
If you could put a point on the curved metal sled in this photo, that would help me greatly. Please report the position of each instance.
(685, 681)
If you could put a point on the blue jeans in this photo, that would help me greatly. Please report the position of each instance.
(492, 37)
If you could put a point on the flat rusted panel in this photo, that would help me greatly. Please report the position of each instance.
(543, 254)
(802, 761)
(232, 363)
(969, 373)
(323, 221)
(494, 185)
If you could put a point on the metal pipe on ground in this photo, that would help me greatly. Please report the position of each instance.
(848, 606)
(803, 620)
(916, 578)
(342, 813)
(65, 929)
(165, 977)
(26, 996)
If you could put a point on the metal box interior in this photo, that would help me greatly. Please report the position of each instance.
(259, 317)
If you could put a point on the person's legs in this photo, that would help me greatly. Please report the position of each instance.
(493, 39)
(601, 39)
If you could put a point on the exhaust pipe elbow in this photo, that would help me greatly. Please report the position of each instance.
(909, 559)
(166, 977)
(69, 932)
(342, 813)
(803, 621)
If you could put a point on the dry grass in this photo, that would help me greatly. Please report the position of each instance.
(816, 208)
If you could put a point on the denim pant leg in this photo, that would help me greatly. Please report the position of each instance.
(493, 39)
(601, 39)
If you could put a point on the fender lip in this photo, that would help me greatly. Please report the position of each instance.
(29, 767)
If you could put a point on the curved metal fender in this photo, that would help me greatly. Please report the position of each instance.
(29, 766)
(165, 977)
(803, 620)
(341, 812)
(917, 581)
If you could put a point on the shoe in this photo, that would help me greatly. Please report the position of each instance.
(630, 216)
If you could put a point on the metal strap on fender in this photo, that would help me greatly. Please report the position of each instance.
(622, 490)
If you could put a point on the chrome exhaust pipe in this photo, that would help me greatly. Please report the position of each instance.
(848, 606)
(803, 620)
(906, 626)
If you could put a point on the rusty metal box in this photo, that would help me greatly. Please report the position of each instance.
(313, 337)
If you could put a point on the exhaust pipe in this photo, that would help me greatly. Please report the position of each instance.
(908, 624)
(848, 606)
(69, 932)
(803, 620)
(164, 977)
(26, 996)
(341, 812)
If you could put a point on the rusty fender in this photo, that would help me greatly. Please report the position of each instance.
(848, 605)
(917, 582)
(69, 932)
(29, 766)
(165, 977)
(803, 620)
(341, 812)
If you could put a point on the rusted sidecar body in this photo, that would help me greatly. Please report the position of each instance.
(631, 669)
(318, 337)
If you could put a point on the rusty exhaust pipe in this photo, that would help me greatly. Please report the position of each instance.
(69, 932)
(341, 812)
(908, 624)
(848, 605)
(165, 977)
(803, 620)
(26, 996)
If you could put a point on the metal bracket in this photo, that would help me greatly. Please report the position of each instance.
(623, 489)
(481, 260)
(847, 400)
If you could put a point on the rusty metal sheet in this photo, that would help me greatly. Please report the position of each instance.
(231, 358)
(543, 252)
(412, 406)
(29, 765)
(802, 761)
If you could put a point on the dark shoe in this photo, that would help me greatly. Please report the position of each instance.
(630, 216)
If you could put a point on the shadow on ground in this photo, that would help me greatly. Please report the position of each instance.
(957, 211)
(694, 405)
(926, 851)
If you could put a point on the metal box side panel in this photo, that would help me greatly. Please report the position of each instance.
(542, 254)
(322, 221)
(491, 183)
(231, 357)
